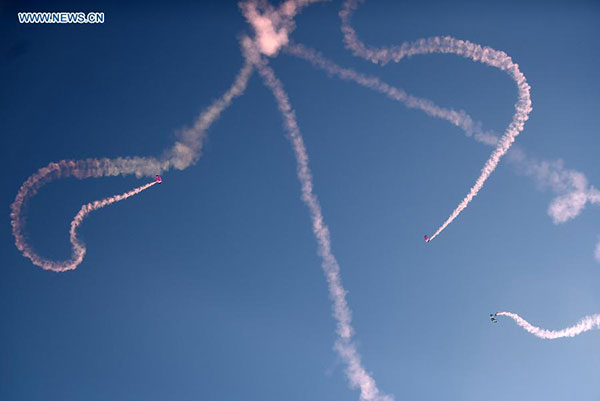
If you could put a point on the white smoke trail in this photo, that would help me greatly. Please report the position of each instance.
(587, 323)
(475, 52)
(571, 186)
(357, 374)
(77, 247)
(455, 117)
(185, 152)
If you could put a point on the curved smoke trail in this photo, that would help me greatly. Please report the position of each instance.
(464, 48)
(587, 323)
(77, 247)
(572, 187)
(356, 373)
(458, 118)
(65, 168)
(185, 152)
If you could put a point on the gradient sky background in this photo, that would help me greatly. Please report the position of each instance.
(209, 286)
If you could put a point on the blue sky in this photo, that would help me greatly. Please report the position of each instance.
(209, 286)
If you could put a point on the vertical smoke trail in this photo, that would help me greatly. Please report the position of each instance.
(585, 324)
(185, 152)
(357, 374)
(475, 52)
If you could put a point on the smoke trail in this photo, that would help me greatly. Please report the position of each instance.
(571, 186)
(77, 247)
(475, 52)
(585, 324)
(185, 152)
(456, 117)
(574, 191)
(356, 373)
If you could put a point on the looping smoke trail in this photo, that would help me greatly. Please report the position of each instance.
(464, 48)
(65, 168)
(185, 152)
(587, 323)
(357, 374)
(78, 248)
